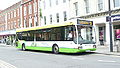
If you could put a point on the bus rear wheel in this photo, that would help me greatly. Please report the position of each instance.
(23, 47)
(55, 49)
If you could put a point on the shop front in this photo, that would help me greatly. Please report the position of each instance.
(7, 37)
(117, 31)
(102, 35)
(115, 19)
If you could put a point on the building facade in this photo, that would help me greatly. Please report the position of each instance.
(29, 13)
(23, 14)
(54, 11)
(97, 11)
(36, 13)
(9, 21)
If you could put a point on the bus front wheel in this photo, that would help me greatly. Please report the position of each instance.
(55, 49)
(23, 47)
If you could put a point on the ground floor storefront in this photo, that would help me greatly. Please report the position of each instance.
(102, 30)
(8, 37)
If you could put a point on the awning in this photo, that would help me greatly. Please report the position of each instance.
(6, 33)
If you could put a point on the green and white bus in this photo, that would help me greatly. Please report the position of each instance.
(71, 37)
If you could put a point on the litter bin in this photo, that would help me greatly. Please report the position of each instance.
(118, 45)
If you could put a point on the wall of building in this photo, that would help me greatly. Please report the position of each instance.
(29, 13)
(9, 21)
(32, 13)
(51, 8)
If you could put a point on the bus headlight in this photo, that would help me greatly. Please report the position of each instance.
(94, 46)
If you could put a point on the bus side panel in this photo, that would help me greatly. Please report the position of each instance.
(64, 46)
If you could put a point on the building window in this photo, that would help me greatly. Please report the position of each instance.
(65, 16)
(76, 8)
(30, 9)
(44, 4)
(57, 17)
(100, 5)
(87, 6)
(50, 19)
(50, 3)
(25, 23)
(35, 7)
(35, 20)
(116, 3)
(25, 11)
(14, 13)
(30, 22)
(56, 2)
(18, 12)
(19, 24)
(11, 14)
(8, 16)
(45, 20)
(14, 25)
(64, 1)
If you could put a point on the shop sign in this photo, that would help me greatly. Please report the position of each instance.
(84, 22)
(10, 32)
(113, 18)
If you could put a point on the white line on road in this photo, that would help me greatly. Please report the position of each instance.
(107, 61)
(77, 58)
(4, 64)
(107, 55)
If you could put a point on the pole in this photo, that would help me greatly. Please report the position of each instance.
(110, 26)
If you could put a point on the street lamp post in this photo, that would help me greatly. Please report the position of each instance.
(110, 26)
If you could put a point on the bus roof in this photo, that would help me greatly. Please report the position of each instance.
(44, 27)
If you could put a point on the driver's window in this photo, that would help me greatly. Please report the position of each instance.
(71, 33)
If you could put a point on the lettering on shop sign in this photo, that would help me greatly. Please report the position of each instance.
(113, 18)
(84, 22)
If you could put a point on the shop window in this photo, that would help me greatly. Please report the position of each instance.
(101, 35)
(117, 34)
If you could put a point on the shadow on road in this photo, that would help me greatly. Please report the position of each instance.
(78, 54)
(70, 54)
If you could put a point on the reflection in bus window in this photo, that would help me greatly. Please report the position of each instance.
(38, 36)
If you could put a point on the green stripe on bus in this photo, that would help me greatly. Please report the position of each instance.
(39, 48)
(66, 50)
(71, 50)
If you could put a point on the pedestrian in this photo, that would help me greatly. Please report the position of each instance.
(101, 40)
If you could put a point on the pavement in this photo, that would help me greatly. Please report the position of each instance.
(106, 50)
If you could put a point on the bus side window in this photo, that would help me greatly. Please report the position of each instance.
(38, 37)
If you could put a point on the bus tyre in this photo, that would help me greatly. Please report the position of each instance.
(23, 47)
(55, 49)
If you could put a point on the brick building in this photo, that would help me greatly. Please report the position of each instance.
(29, 13)
(9, 21)
(2, 21)
(23, 14)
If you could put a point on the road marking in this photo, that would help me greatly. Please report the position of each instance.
(46, 54)
(107, 55)
(115, 56)
(107, 61)
(77, 58)
(4, 64)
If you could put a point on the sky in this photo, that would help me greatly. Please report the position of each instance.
(6, 3)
